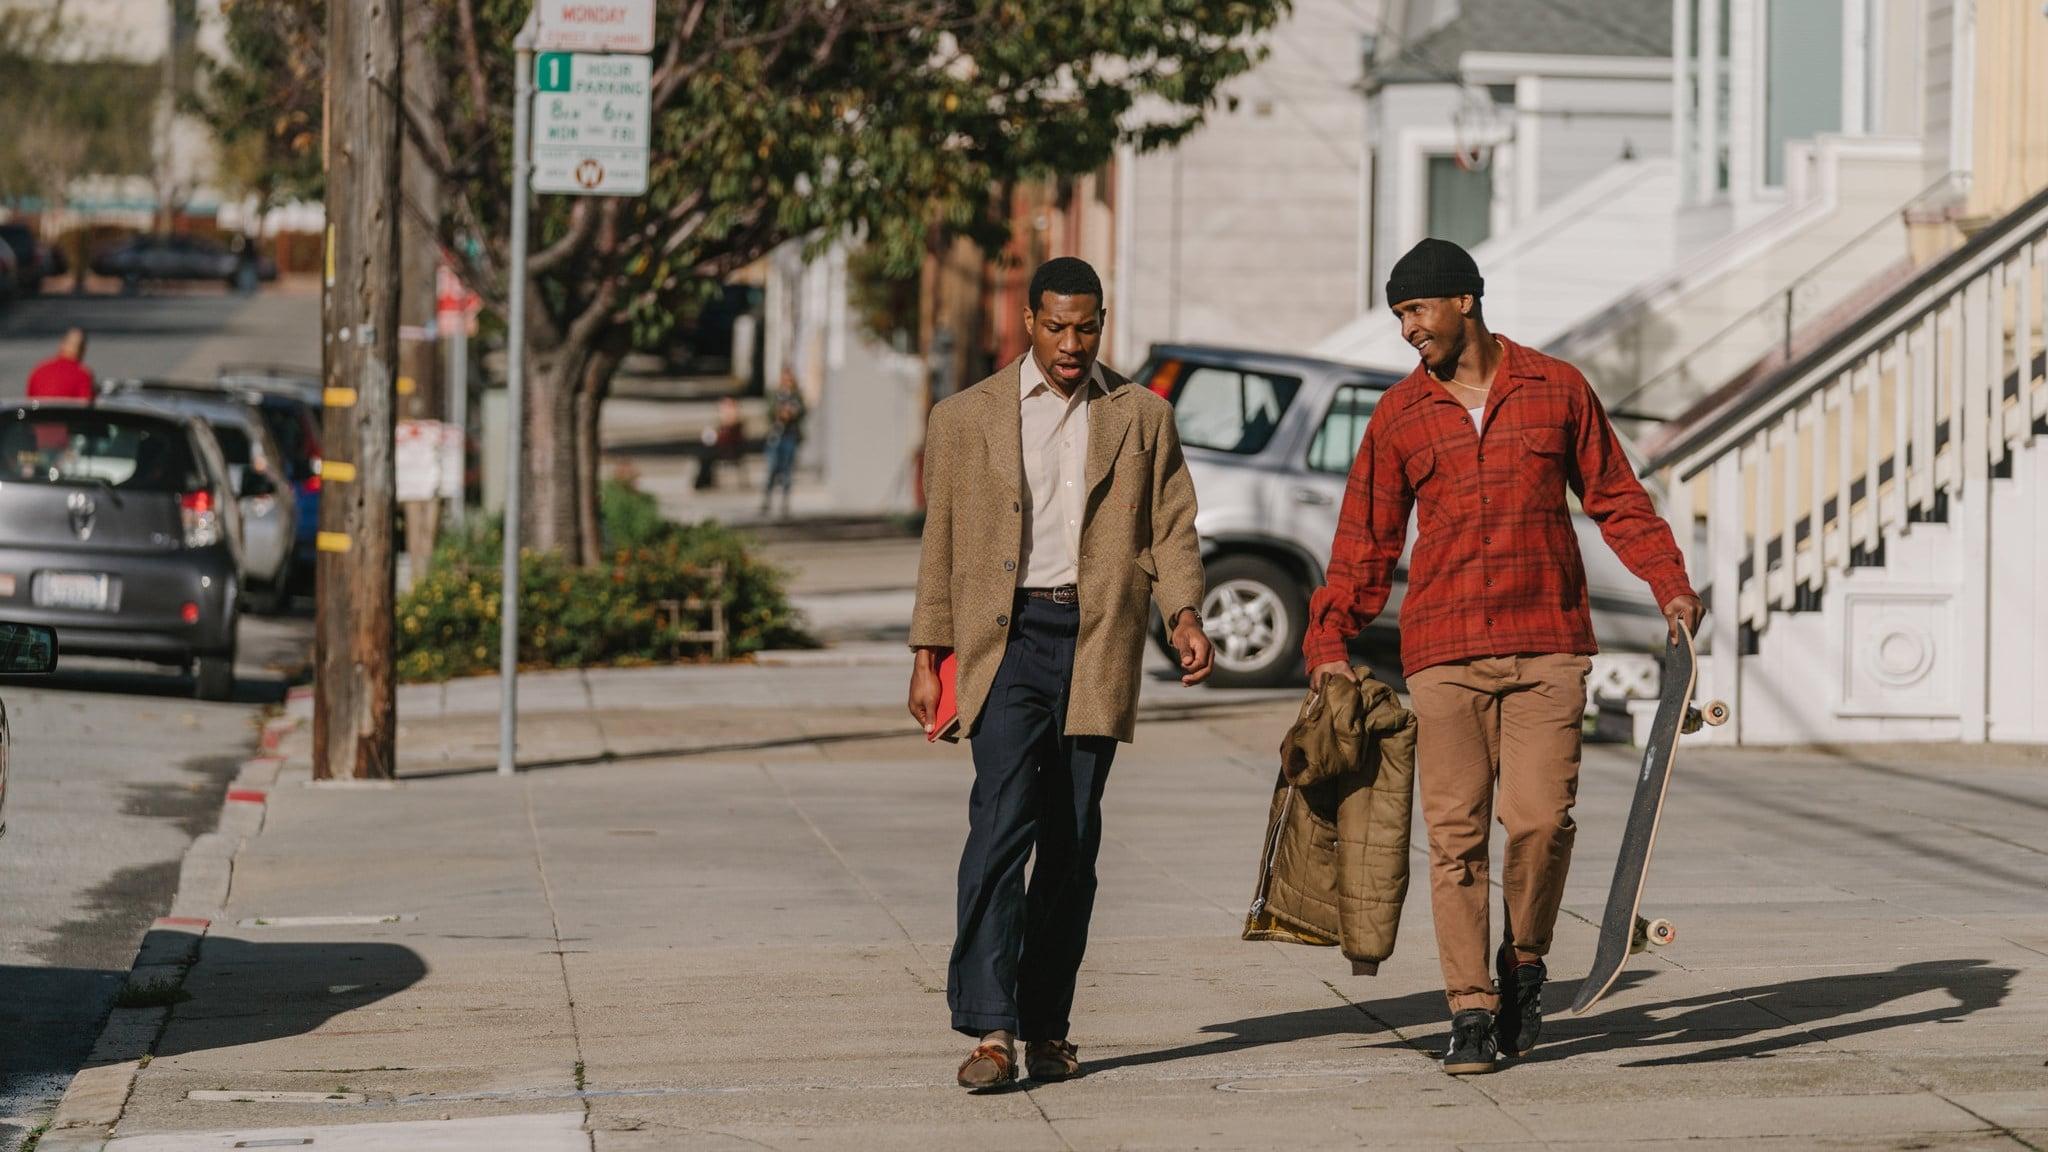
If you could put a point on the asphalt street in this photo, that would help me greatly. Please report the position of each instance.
(114, 766)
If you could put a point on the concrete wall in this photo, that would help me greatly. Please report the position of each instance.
(1249, 232)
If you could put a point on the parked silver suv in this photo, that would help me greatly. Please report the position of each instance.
(1269, 440)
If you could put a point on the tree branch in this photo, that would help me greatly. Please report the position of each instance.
(582, 226)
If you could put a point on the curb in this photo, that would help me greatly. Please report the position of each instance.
(93, 1102)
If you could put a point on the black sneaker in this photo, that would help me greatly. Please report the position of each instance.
(1472, 1045)
(1521, 1005)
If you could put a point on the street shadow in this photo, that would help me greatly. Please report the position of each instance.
(1745, 1024)
(1796, 1013)
(694, 751)
(246, 991)
(44, 1036)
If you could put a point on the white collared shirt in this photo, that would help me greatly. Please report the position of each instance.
(1055, 443)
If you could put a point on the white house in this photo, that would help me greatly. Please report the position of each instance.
(1252, 230)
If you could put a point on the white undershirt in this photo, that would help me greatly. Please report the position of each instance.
(1478, 417)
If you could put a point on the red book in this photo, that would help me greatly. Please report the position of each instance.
(946, 721)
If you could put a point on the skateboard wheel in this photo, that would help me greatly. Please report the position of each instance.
(1661, 932)
(1639, 937)
(1715, 713)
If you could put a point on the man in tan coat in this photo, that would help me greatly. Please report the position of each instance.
(1058, 509)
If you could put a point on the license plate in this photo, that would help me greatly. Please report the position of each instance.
(88, 590)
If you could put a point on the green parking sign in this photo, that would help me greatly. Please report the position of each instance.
(551, 71)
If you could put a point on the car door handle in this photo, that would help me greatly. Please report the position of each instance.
(1311, 496)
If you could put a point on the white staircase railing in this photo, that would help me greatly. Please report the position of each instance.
(1901, 418)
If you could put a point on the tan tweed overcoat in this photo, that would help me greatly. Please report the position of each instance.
(1138, 543)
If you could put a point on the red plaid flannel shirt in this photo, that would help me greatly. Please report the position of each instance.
(1496, 569)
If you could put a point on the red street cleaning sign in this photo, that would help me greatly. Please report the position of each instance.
(595, 25)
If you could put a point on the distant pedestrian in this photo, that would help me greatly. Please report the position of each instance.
(1481, 443)
(1059, 517)
(723, 444)
(64, 376)
(786, 412)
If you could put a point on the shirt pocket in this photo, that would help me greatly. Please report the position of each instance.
(1546, 460)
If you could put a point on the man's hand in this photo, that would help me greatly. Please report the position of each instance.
(1322, 672)
(1197, 656)
(924, 688)
(1685, 610)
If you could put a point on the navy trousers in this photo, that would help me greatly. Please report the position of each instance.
(1018, 949)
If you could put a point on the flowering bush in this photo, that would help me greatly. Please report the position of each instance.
(655, 586)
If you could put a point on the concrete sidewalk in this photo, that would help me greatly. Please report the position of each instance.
(732, 934)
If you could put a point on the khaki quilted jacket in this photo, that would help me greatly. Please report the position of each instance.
(1334, 869)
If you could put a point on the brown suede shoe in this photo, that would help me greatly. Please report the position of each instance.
(991, 1065)
(1050, 1060)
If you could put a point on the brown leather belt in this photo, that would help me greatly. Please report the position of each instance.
(1064, 594)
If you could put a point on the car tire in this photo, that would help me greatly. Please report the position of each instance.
(213, 677)
(1255, 613)
(269, 598)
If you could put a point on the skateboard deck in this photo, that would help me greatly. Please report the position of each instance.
(1623, 930)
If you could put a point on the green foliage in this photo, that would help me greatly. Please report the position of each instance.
(263, 101)
(617, 613)
(69, 107)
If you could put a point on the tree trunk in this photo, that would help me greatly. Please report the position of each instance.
(596, 384)
(549, 523)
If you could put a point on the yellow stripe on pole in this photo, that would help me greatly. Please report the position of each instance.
(338, 397)
(337, 471)
(406, 386)
(332, 542)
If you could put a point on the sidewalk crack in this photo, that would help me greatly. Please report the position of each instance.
(866, 888)
(547, 891)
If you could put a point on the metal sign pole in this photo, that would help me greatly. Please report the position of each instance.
(515, 395)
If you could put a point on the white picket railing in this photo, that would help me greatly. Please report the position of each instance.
(1888, 424)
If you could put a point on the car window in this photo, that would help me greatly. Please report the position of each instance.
(1343, 428)
(290, 433)
(1229, 410)
(52, 447)
(234, 444)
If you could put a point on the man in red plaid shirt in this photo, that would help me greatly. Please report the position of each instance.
(1481, 442)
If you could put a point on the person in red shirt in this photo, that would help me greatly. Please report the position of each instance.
(1480, 442)
(63, 376)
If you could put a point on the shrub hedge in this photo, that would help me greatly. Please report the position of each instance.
(613, 614)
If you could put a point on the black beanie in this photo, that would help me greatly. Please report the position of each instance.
(1434, 268)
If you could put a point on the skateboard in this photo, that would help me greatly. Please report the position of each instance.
(1623, 930)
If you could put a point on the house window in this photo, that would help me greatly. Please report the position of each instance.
(1803, 77)
(1460, 202)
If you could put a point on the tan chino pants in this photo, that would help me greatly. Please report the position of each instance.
(1510, 722)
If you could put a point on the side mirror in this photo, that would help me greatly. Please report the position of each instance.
(255, 484)
(27, 649)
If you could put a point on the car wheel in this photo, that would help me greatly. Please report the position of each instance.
(1255, 614)
(269, 598)
(214, 677)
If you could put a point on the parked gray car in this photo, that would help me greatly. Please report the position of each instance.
(1269, 441)
(269, 520)
(118, 526)
(25, 650)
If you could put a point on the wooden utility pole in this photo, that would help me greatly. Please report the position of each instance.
(354, 710)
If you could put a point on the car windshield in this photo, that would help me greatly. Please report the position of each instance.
(84, 447)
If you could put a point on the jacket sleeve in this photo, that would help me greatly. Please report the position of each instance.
(1176, 547)
(1612, 495)
(1372, 527)
(931, 621)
